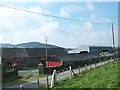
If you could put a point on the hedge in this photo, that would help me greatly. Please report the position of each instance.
(8, 76)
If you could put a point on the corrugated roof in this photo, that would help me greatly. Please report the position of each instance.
(57, 51)
(101, 46)
(41, 52)
(78, 57)
(31, 52)
(13, 53)
(36, 52)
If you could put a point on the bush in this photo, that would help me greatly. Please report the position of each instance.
(8, 76)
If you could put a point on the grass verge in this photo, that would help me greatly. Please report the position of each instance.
(103, 77)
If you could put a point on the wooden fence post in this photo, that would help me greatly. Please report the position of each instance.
(90, 65)
(21, 87)
(109, 60)
(79, 69)
(104, 62)
(38, 82)
(85, 67)
(53, 78)
(47, 81)
(70, 70)
(95, 64)
(100, 63)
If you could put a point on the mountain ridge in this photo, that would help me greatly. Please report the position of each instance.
(28, 45)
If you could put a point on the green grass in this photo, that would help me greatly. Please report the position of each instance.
(32, 78)
(104, 77)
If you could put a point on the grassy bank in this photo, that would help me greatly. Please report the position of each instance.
(104, 77)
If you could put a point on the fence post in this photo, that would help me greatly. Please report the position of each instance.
(104, 62)
(82, 69)
(47, 81)
(53, 78)
(109, 60)
(85, 67)
(90, 65)
(38, 82)
(79, 69)
(21, 87)
(100, 63)
(70, 70)
(95, 64)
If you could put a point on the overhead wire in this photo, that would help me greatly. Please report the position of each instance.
(43, 14)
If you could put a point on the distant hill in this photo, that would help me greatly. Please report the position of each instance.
(7, 45)
(29, 45)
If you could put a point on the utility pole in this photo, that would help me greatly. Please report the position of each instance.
(46, 53)
(113, 40)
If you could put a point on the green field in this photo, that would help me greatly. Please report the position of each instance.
(103, 77)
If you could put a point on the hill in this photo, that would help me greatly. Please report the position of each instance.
(28, 45)
(7, 45)
(104, 77)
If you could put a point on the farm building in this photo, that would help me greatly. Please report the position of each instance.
(38, 55)
(99, 49)
(92, 49)
(78, 58)
(12, 56)
(31, 57)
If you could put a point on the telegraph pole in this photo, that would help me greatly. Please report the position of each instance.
(113, 40)
(46, 53)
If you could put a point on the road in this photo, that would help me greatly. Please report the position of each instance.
(60, 75)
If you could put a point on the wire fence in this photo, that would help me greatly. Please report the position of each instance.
(66, 73)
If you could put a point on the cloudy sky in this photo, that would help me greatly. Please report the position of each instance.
(20, 26)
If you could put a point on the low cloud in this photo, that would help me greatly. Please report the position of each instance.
(18, 26)
(67, 11)
(99, 19)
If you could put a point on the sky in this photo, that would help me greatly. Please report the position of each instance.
(20, 27)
